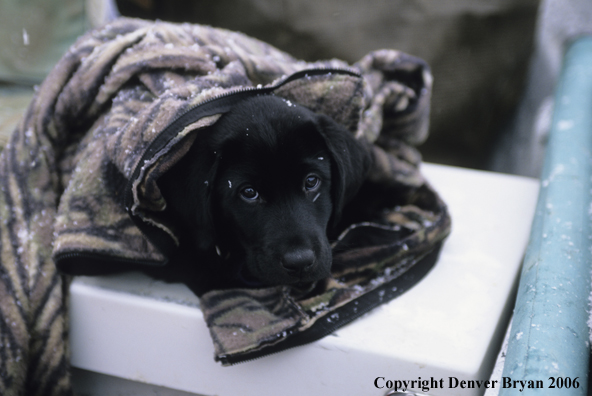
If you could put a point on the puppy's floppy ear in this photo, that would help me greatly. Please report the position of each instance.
(350, 162)
(187, 191)
(205, 230)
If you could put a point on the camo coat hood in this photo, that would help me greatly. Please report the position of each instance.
(124, 105)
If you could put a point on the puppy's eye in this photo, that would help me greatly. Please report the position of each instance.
(249, 194)
(311, 182)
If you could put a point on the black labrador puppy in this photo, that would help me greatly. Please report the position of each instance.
(258, 193)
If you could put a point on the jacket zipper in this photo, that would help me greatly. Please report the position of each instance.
(210, 107)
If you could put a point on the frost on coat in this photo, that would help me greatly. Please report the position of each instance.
(78, 179)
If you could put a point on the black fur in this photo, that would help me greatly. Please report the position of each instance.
(257, 194)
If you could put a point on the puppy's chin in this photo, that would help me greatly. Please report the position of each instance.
(246, 279)
(303, 280)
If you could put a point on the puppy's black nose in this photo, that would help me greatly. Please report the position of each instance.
(298, 260)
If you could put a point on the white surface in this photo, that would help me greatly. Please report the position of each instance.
(449, 325)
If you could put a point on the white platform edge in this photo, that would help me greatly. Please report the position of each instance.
(451, 324)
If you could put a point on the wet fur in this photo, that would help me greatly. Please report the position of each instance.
(272, 146)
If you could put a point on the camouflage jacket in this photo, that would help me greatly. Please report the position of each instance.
(79, 184)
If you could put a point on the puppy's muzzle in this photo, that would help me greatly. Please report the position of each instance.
(298, 261)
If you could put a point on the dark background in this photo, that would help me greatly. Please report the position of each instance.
(479, 52)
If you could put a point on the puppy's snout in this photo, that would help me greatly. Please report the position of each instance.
(298, 260)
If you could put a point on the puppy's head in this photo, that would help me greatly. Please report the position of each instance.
(278, 177)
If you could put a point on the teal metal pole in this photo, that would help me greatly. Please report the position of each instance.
(549, 338)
